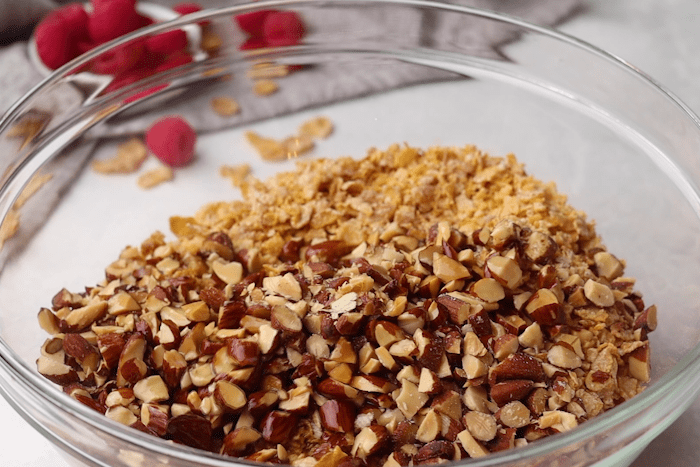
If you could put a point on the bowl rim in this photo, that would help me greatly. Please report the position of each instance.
(667, 387)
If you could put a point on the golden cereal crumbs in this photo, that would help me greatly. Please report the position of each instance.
(9, 226)
(155, 177)
(212, 72)
(237, 174)
(225, 106)
(405, 308)
(211, 41)
(319, 127)
(29, 127)
(36, 182)
(273, 150)
(265, 87)
(128, 159)
(267, 70)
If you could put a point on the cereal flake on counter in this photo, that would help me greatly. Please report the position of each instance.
(154, 177)
(237, 173)
(265, 87)
(412, 306)
(128, 158)
(225, 106)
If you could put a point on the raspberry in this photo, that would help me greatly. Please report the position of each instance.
(173, 61)
(111, 19)
(119, 59)
(283, 28)
(172, 140)
(253, 43)
(57, 36)
(252, 23)
(167, 42)
(187, 8)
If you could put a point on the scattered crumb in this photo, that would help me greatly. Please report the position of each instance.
(319, 127)
(265, 87)
(32, 187)
(9, 227)
(267, 70)
(155, 177)
(130, 155)
(237, 174)
(225, 106)
(211, 41)
(29, 127)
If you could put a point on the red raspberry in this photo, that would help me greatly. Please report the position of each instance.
(187, 8)
(120, 59)
(101, 3)
(111, 19)
(253, 43)
(58, 34)
(173, 61)
(283, 28)
(172, 140)
(252, 23)
(167, 42)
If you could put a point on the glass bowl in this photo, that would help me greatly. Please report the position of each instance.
(620, 147)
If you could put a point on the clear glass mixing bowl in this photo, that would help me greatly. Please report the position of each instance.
(623, 149)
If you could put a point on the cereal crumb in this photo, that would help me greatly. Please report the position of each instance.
(319, 127)
(155, 177)
(237, 174)
(225, 106)
(36, 182)
(265, 87)
(130, 155)
(29, 127)
(9, 226)
(267, 70)
(211, 41)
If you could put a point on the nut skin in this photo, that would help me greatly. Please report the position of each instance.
(329, 251)
(511, 390)
(517, 366)
(79, 348)
(245, 353)
(338, 416)
(192, 430)
(277, 426)
(435, 449)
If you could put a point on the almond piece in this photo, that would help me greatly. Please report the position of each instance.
(277, 426)
(639, 365)
(409, 399)
(599, 294)
(369, 441)
(239, 439)
(510, 390)
(284, 319)
(543, 307)
(84, 353)
(338, 416)
(504, 270)
(481, 425)
(230, 396)
(429, 428)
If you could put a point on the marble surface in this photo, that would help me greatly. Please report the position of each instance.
(659, 38)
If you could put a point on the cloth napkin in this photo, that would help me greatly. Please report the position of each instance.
(18, 74)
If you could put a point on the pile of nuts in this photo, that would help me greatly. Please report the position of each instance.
(405, 349)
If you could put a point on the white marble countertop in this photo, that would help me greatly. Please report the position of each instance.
(659, 38)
